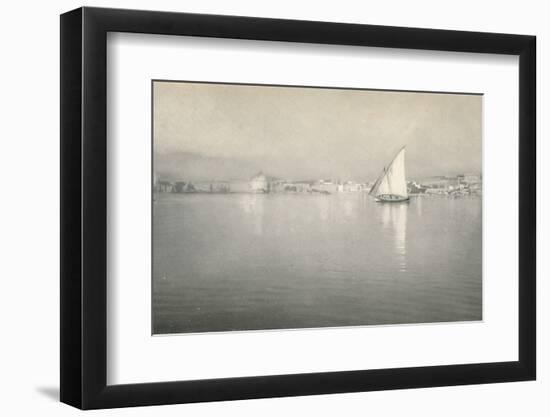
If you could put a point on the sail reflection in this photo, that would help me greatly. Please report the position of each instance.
(394, 219)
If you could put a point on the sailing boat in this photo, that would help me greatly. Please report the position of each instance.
(391, 186)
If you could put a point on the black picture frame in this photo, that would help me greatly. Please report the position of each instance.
(84, 207)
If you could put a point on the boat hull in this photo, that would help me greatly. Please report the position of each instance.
(391, 198)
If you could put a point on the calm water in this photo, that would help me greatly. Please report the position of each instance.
(243, 261)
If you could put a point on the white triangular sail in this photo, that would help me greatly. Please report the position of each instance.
(392, 181)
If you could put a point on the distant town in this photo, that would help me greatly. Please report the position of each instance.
(457, 186)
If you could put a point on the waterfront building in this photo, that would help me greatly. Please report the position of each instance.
(239, 186)
(472, 178)
(351, 187)
(212, 186)
(298, 187)
(324, 186)
(278, 185)
(416, 188)
(436, 190)
(179, 187)
(164, 186)
(259, 183)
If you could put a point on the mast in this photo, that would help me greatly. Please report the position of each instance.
(374, 187)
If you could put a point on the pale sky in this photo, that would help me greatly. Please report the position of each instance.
(224, 131)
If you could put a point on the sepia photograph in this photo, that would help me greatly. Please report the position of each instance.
(291, 207)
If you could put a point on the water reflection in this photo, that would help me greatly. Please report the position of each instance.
(330, 211)
(323, 205)
(281, 261)
(253, 205)
(394, 219)
(418, 205)
(349, 208)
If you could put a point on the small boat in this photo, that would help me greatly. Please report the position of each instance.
(391, 185)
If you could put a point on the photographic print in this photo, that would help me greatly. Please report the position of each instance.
(291, 207)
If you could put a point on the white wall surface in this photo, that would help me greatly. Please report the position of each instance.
(29, 208)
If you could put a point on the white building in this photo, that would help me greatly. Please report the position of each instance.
(259, 183)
